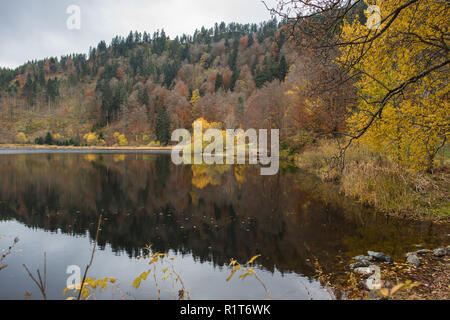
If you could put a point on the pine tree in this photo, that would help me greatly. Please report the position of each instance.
(29, 90)
(251, 40)
(234, 78)
(162, 126)
(282, 69)
(219, 82)
(48, 139)
(233, 59)
(143, 97)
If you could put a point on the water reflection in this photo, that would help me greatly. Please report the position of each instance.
(210, 213)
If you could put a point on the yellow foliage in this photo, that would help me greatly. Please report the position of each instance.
(239, 173)
(247, 271)
(195, 97)
(204, 175)
(154, 144)
(91, 138)
(90, 157)
(21, 138)
(119, 158)
(90, 285)
(415, 125)
(145, 139)
(170, 273)
(121, 139)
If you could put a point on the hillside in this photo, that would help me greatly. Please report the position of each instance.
(143, 86)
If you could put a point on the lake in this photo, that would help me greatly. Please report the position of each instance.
(201, 216)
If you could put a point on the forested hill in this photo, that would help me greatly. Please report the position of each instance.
(138, 88)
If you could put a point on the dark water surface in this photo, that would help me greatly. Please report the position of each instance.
(201, 216)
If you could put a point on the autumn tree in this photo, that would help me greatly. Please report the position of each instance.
(398, 58)
(404, 109)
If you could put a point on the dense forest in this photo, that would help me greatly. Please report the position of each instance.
(143, 86)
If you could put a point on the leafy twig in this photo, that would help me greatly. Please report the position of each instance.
(92, 257)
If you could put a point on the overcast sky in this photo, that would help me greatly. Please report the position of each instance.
(36, 29)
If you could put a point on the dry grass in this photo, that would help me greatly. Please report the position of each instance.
(376, 181)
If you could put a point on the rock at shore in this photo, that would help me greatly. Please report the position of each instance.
(360, 264)
(413, 260)
(363, 258)
(378, 256)
(440, 252)
(366, 271)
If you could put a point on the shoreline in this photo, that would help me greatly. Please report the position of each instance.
(422, 277)
(20, 147)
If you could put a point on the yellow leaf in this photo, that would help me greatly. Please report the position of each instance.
(251, 270)
(137, 282)
(231, 275)
(85, 293)
(246, 275)
(253, 259)
(384, 292)
(396, 288)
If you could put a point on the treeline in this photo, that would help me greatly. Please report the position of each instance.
(145, 85)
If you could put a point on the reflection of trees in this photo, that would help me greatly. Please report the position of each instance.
(204, 175)
(287, 218)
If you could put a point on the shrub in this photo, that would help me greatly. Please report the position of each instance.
(91, 138)
(21, 138)
(39, 141)
(121, 139)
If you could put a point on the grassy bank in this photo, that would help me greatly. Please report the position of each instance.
(379, 182)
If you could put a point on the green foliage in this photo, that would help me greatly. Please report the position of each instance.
(143, 97)
(234, 78)
(48, 140)
(30, 90)
(218, 83)
(270, 71)
(52, 90)
(162, 126)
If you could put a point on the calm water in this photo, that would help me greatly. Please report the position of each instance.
(201, 216)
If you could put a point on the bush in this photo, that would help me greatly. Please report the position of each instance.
(21, 138)
(39, 141)
(121, 139)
